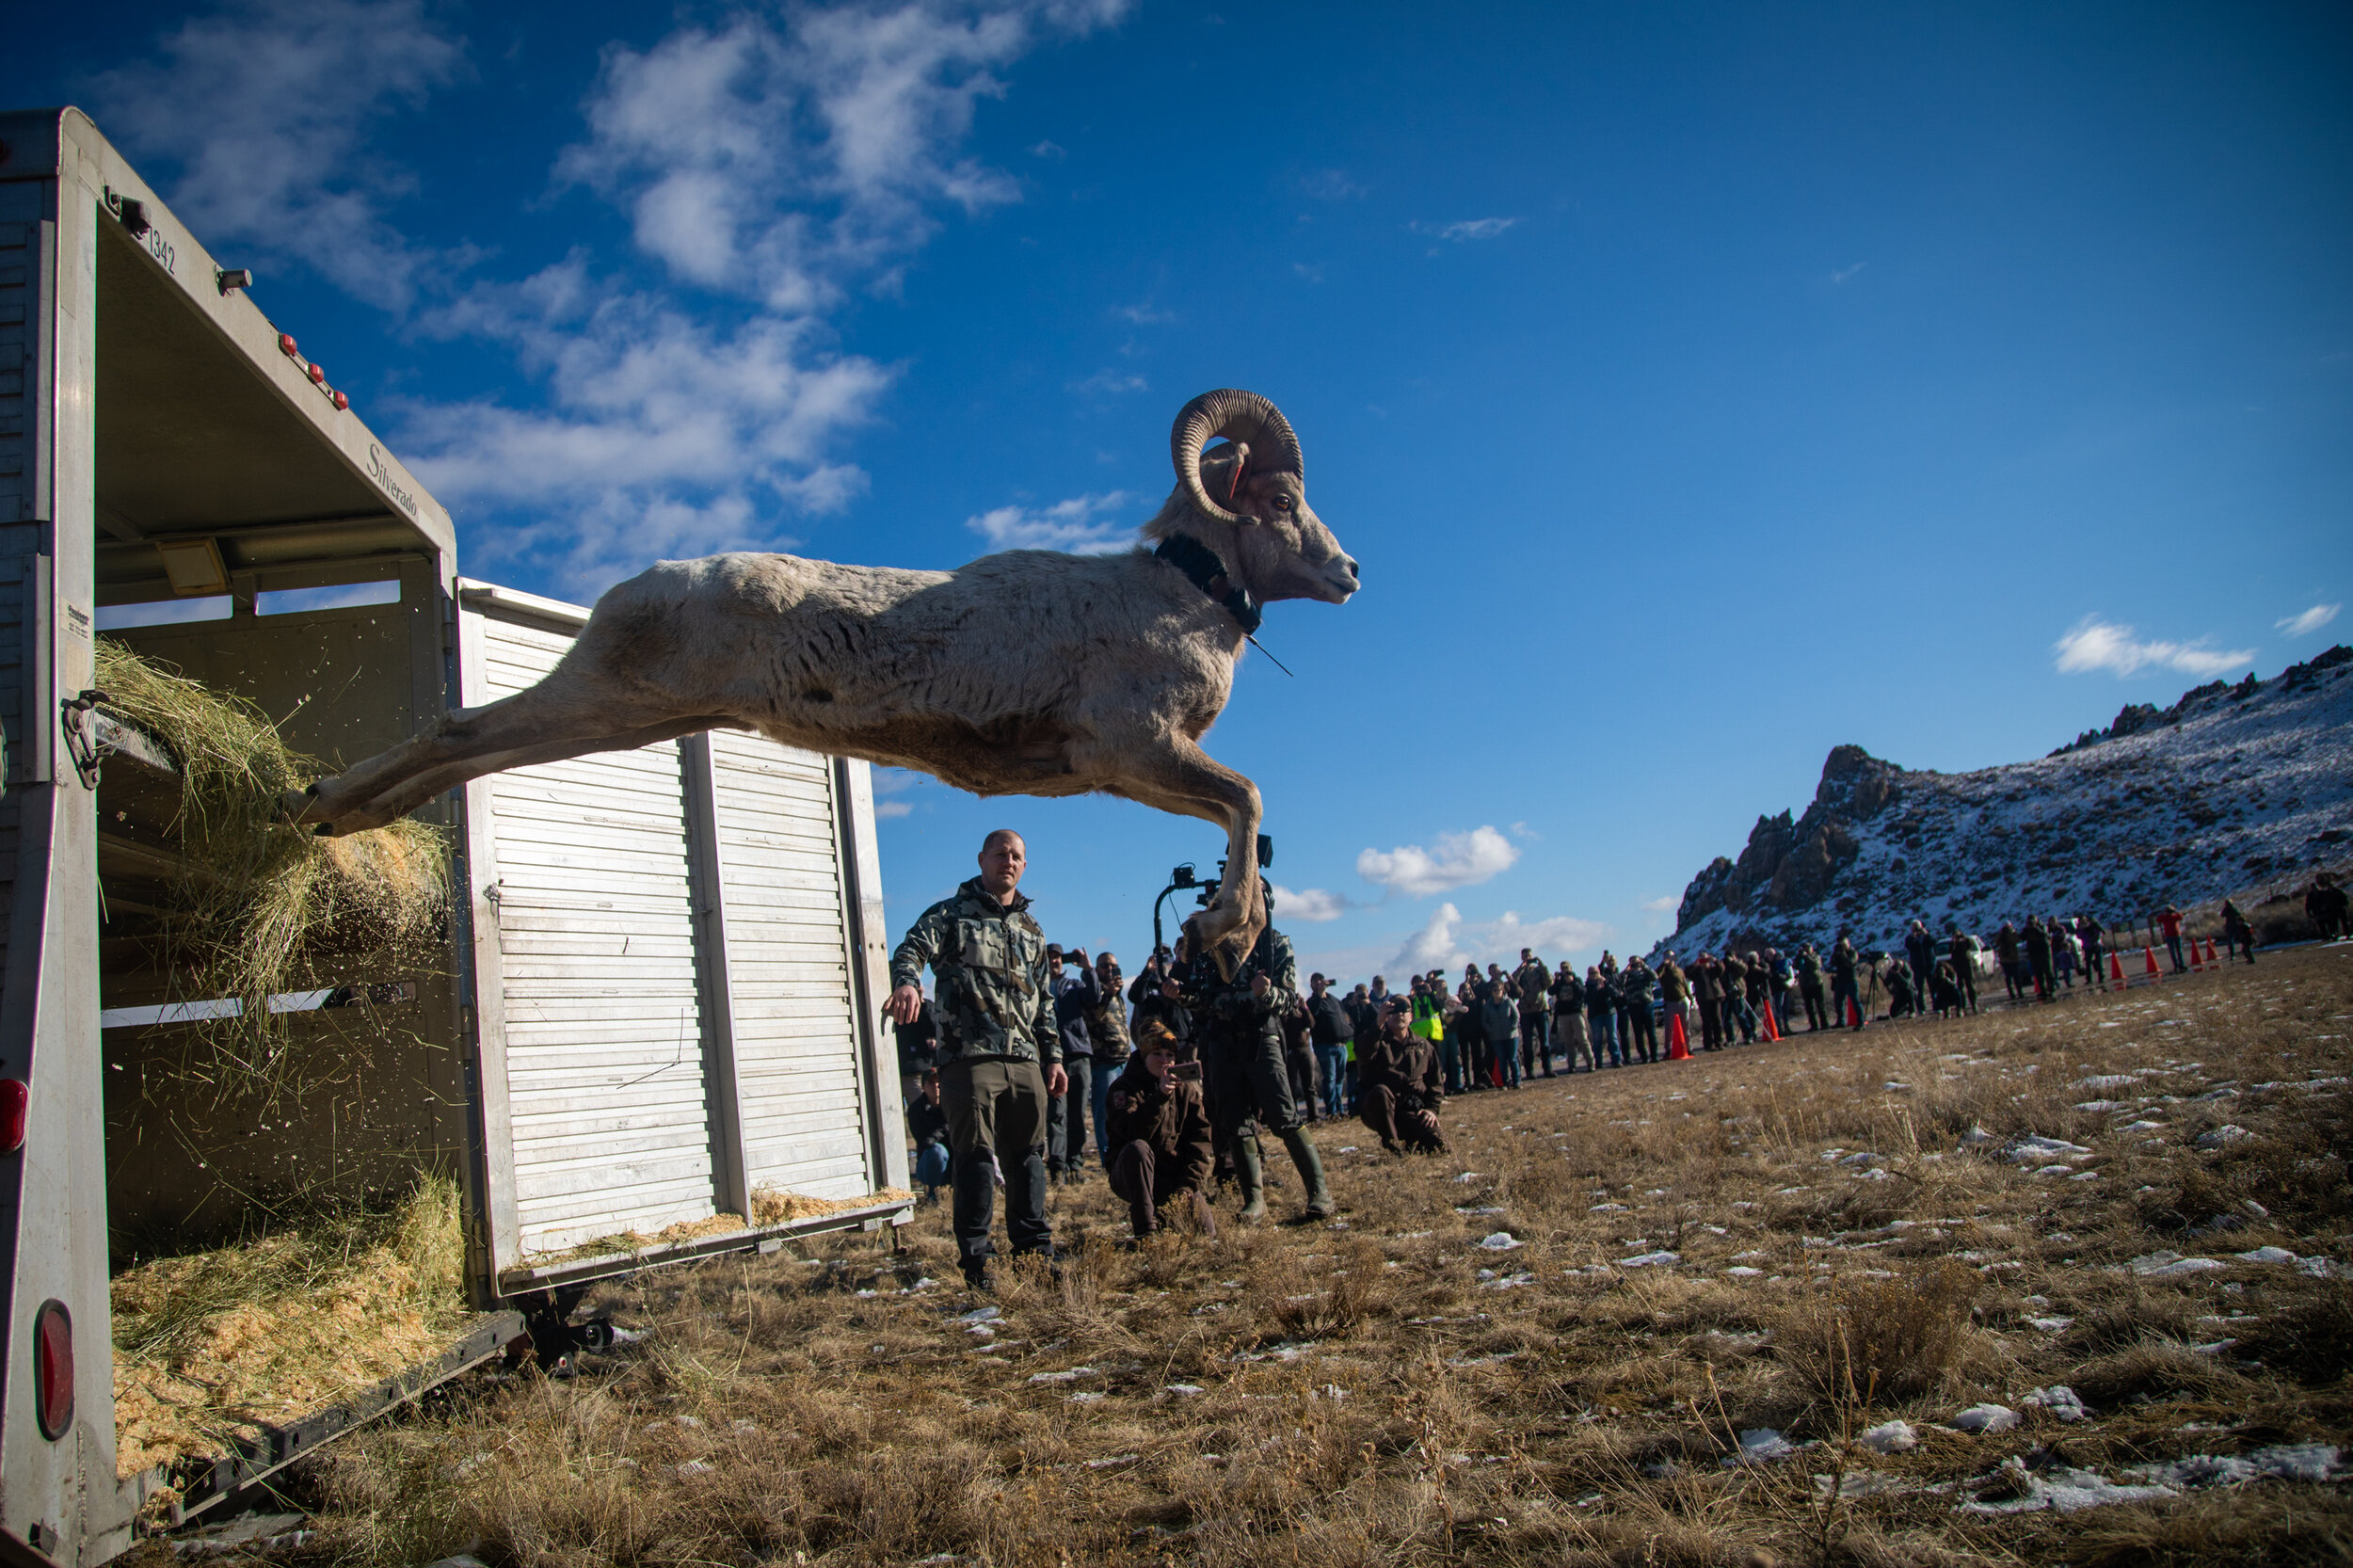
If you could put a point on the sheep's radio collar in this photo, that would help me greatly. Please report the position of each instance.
(1207, 571)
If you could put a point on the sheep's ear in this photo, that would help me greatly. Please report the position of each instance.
(1222, 471)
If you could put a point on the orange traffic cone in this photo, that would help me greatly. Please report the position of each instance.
(1768, 1030)
(2150, 955)
(2210, 957)
(1678, 1039)
(2196, 962)
(2116, 969)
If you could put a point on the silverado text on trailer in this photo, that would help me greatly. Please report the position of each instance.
(656, 1016)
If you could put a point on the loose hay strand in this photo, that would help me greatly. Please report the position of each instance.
(260, 906)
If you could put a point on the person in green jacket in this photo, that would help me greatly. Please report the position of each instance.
(1000, 1054)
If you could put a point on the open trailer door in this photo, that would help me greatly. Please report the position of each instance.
(679, 964)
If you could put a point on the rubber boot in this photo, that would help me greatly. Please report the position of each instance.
(1303, 1153)
(1252, 1178)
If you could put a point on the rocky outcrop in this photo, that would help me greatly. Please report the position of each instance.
(2231, 784)
(1788, 865)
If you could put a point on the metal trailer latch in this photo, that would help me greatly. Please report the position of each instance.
(83, 748)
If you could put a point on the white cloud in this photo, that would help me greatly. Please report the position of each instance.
(2098, 645)
(780, 158)
(783, 159)
(1502, 940)
(659, 436)
(1430, 948)
(1470, 229)
(885, 809)
(2310, 621)
(1459, 860)
(265, 106)
(1444, 942)
(1081, 525)
(1108, 383)
(1666, 903)
(1311, 904)
(1330, 184)
(1842, 274)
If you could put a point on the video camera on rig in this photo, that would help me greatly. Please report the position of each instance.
(1205, 888)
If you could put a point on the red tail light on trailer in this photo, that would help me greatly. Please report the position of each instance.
(53, 1369)
(14, 1096)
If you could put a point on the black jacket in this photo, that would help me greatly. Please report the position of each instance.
(1329, 1020)
(1076, 995)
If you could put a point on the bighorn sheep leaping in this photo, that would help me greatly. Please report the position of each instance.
(1026, 673)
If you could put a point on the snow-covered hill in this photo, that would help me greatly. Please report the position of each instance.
(2233, 786)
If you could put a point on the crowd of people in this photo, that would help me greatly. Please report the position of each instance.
(1037, 1064)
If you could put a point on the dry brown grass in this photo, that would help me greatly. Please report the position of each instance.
(1366, 1397)
(1881, 1341)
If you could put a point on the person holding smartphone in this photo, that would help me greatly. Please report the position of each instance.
(1160, 1133)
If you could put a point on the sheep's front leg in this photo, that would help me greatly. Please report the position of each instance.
(1178, 776)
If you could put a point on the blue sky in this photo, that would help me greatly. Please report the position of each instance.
(1699, 386)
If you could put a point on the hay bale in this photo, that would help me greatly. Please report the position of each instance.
(260, 906)
(213, 1346)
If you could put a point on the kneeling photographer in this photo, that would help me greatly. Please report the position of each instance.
(1160, 1133)
(1400, 1087)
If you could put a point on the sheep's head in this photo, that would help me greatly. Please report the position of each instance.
(1246, 497)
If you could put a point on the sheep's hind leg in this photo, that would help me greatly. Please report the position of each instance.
(398, 802)
(535, 724)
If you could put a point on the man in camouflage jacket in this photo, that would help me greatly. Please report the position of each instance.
(999, 1056)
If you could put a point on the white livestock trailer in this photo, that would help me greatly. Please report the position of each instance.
(657, 1007)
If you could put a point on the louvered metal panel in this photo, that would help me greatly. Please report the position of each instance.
(675, 978)
(796, 1003)
(607, 1106)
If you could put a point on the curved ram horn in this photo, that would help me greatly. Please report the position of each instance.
(1244, 418)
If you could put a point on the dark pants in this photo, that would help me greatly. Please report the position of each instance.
(2174, 947)
(1965, 976)
(1535, 1042)
(1139, 1177)
(1742, 1011)
(1105, 1069)
(930, 1167)
(1248, 1080)
(1920, 973)
(1816, 1016)
(1379, 1110)
(1300, 1067)
(1842, 991)
(2045, 982)
(1066, 1117)
(1711, 1023)
(1604, 1026)
(997, 1118)
(2095, 966)
(1451, 1061)
(1642, 1044)
(2241, 937)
